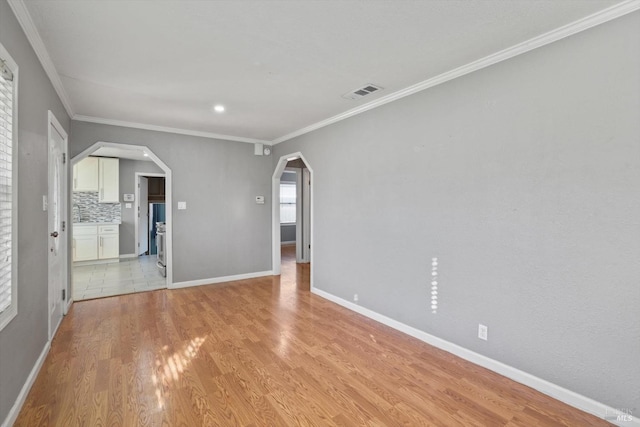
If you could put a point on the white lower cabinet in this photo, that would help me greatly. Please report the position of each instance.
(93, 242)
(85, 248)
(108, 242)
(85, 242)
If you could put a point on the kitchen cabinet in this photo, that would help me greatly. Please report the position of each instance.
(108, 242)
(85, 242)
(95, 242)
(156, 189)
(109, 180)
(85, 175)
(98, 174)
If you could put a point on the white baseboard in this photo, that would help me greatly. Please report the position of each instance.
(562, 394)
(293, 242)
(127, 256)
(17, 406)
(223, 279)
(69, 305)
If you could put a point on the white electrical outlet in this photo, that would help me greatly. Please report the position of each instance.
(355, 297)
(482, 331)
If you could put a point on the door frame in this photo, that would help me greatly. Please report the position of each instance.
(275, 212)
(52, 122)
(168, 196)
(138, 175)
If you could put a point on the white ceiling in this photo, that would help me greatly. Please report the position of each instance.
(279, 67)
(122, 153)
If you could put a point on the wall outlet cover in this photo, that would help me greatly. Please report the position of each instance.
(483, 332)
(182, 206)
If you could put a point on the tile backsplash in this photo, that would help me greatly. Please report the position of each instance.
(87, 208)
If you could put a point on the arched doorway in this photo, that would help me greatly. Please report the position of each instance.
(304, 212)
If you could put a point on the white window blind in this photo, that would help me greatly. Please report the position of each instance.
(287, 203)
(7, 289)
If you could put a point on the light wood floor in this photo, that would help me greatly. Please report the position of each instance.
(263, 352)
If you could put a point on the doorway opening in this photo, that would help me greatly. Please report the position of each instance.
(150, 210)
(292, 214)
(106, 236)
(151, 219)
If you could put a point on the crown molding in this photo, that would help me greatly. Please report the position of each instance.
(167, 129)
(628, 6)
(24, 19)
(560, 33)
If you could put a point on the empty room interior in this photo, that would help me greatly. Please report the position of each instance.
(281, 213)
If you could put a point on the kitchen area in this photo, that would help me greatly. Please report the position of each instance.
(102, 214)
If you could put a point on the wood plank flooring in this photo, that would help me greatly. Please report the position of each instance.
(263, 352)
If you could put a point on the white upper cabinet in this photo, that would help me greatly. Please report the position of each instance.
(85, 175)
(98, 174)
(109, 180)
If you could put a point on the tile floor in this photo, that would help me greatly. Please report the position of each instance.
(117, 278)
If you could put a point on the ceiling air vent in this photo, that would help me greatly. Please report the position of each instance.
(363, 91)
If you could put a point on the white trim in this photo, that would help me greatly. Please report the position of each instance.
(288, 243)
(597, 18)
(69, 303)
(24, 18)
(17, 406)
(560, 393)
(127, 256)
(167, 129)
(222, 279)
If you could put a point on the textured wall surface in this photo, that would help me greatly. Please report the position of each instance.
(523, 179)
(23, 339)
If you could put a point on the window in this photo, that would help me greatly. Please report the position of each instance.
(287, 202)
(8, 189)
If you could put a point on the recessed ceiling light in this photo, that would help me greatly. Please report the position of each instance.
(145, 154)
(218, 108)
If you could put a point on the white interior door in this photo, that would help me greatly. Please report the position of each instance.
(57, 202)
(306, 215)
(143, 215)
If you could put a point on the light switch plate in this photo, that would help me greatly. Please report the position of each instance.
(260, 200)
(182, 205)
(128, 197)
(127, 205)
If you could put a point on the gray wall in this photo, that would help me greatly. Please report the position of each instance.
(523, 179)
(223, 231)
(288, 233)
(22, 340)
(128, 169)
